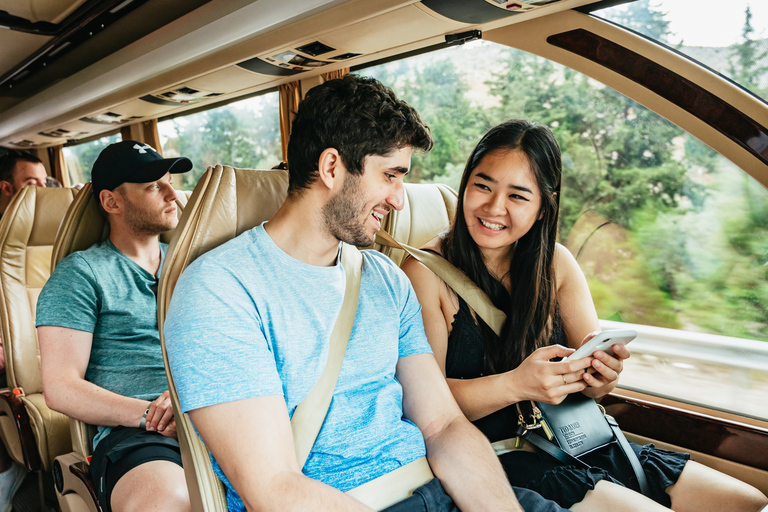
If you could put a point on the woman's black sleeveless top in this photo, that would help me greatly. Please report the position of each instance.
(465, 359)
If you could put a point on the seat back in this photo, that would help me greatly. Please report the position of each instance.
(84, 225)
(225, 203)
(428, 211)
(27, 232)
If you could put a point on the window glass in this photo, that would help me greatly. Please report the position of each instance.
(80, 158)
(737, 48)
(244, 134)
(672, 237)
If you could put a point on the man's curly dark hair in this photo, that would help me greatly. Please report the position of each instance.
(357, 116)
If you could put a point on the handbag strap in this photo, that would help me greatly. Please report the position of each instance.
(455, 279)
(310, 413)
(478, 300)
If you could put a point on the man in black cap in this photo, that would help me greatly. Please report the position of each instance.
(99, 344)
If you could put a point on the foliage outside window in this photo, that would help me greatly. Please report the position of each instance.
(244, 134)
(80, 158)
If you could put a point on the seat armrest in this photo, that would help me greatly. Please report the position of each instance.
(74, 485)
(23, 446)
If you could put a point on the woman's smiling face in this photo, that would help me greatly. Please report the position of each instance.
(502, 201)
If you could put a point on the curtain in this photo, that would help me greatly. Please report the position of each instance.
(59, 165)
(151, 135)
(332, 75)
(290, 96)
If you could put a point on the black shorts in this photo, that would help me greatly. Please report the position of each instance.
(567, 485)
(124, 449)
(431, 497)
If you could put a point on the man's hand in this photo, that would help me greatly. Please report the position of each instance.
(160, 415)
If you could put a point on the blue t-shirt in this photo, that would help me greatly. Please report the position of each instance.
(102, 291)
(248, 320)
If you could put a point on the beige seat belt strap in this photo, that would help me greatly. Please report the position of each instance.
(395, 486)
(310, 414)
(455, 279)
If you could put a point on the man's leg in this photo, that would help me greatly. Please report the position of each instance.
(12, 476)
(158, 485)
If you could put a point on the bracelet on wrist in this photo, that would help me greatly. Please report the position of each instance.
(143, 422)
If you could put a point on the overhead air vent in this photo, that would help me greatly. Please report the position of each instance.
(56, 134)
(520, 5)
(180, 96)
(23, 143)
(482, 11)
(106, 118)
(291, 61)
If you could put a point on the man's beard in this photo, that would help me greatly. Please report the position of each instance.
(343, 212)
(144, 222)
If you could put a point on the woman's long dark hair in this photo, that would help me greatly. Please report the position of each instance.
(532, 303)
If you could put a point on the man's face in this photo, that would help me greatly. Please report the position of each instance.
(28, 174)
(150, 208)
(354, 213)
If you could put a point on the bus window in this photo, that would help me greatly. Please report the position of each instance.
(80, 158)
(671, 235)
(737, 49)
(244, 134)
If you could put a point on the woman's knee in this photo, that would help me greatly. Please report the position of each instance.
(610, 497)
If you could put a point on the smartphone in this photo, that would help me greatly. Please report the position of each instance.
(603, 341)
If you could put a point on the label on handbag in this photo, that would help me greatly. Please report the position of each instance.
(577, 424)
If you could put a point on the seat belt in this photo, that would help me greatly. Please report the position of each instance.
(455, 279)
(310, 414)
(494, 317)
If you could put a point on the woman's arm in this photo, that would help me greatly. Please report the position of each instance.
(580, 321)
(535, 379)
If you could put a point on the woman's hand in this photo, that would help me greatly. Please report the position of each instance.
(538, 378)
(604, 374)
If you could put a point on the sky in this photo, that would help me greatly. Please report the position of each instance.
(713, 22)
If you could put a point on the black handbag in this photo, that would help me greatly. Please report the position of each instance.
(573, 428)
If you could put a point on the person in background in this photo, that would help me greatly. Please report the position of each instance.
(99, 343)
(17, 169)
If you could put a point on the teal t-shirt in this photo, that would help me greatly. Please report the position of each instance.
(102, 291)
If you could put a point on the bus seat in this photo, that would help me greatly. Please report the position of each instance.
(82, 226)
(31, 432)
(225, 203)
(428, 211)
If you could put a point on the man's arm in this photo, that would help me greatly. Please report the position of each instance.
(64, 356)
(459, 454)
(254, 447)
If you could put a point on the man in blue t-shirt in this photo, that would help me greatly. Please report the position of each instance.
(248, 328)
(99, 344)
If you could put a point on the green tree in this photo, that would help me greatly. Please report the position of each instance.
(746, 65)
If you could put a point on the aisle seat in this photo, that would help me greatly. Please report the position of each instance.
(225, 203)
(83, 226)
(31, 432)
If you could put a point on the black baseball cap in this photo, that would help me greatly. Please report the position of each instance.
(130, 161)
